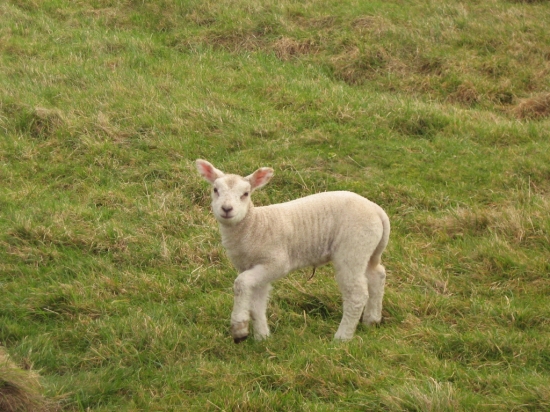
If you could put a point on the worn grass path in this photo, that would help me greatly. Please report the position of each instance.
(114, 285)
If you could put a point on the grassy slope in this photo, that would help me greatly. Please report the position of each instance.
(114, 284)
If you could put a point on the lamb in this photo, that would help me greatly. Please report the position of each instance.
(266, 243)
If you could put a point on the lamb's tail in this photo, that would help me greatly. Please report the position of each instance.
(377, 254)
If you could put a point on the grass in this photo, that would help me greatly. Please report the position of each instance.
(19, 389)
(115, 287)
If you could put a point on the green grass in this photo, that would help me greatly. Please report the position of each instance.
(114, 284)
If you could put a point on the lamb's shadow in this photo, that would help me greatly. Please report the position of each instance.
(318, 306)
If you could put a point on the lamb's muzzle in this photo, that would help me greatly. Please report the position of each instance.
(266, 243)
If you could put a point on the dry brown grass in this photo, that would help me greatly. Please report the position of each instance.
(375, 25)
(466, 94)
(536, 107)
(434, 396)
(236, 41)
(38, 122)
(20, 389)
(287, 48)
(355, 66)
(513, 224)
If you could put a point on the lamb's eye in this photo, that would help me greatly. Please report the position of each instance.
(216, 190)
(245, 194)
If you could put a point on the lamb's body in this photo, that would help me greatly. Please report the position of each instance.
(304, 232)
(266, 243)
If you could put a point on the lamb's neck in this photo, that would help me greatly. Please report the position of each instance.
(241, 230)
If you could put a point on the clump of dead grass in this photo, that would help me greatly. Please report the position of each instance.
(43, 123)
(370, 23)
(104, 125)
(433, 396)
(466, 94)
(236, 41)
(20, 389)
(318, 23)
(287, 48)
(535, 107)
(36, 122)
(510, 223)
(355, 66)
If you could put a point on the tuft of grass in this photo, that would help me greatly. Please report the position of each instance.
(20, 390)
(536, 107)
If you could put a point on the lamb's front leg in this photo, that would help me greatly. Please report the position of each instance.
(258, 309)
(251, 289)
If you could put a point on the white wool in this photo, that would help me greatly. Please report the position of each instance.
(266, 243)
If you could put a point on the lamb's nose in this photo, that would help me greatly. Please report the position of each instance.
(227, 209)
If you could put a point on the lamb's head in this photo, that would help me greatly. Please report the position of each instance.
(231, 193)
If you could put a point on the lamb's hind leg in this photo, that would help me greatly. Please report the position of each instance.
(376, 278)
(353, 285)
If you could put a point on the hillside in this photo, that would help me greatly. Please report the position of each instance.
(114, 285)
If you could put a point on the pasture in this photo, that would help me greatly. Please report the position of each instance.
(114, 286)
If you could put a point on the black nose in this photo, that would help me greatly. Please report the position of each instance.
(227, 209)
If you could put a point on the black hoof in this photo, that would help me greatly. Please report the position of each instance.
(241, 339)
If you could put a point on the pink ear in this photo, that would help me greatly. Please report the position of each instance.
(208, 171)
(260, 177)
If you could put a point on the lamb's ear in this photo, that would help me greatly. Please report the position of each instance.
(260, 177)
(208, 171)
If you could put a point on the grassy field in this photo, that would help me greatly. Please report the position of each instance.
(114, 286)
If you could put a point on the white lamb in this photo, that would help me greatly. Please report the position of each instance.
(266, 243)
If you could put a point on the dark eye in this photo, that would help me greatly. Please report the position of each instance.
(245, 194)
(216, 190)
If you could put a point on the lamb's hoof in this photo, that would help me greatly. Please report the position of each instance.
(239, 331)
(240, 339)
(341, 339)
(372, 321)
(260, 338)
